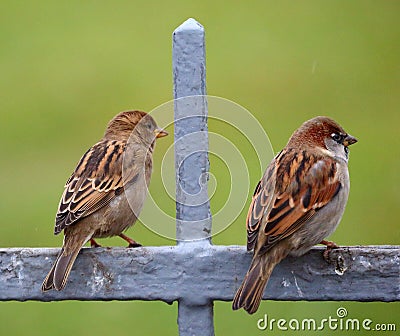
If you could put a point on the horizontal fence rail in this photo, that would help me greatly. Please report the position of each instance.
(169, 273)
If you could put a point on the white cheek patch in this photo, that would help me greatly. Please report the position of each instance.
(334, 150)
(326, 152)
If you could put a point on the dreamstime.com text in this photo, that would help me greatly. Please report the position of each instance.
(339, 322)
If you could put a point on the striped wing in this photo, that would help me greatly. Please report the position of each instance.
(301, 185)
(262, 197)
(95, 182)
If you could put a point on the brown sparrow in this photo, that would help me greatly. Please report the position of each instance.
(105, 194)
(298, 202)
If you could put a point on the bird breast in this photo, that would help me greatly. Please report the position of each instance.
(122, 211)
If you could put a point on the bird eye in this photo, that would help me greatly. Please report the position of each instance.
(336, 137)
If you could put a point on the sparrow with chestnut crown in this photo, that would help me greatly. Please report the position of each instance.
(298, 202)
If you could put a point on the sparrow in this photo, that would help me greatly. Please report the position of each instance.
(105, 194)
(298, 202)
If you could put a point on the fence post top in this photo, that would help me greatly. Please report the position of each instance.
(189, 24)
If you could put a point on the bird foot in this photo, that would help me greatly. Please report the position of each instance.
(329, 247)
(136, 244)
(93, 243)
(132, 243)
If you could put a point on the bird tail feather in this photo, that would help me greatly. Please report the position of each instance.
(58, 275)
(249, 294)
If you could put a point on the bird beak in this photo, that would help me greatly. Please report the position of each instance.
(159, 132)
(349, 140)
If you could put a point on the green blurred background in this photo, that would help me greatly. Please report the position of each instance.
(67, 67)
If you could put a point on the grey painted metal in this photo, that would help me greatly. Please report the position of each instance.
(193, 215)
(191, 138)
(196, 275)
(195, 319)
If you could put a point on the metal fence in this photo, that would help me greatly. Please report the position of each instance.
(194, 272)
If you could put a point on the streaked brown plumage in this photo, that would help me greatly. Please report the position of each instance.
(298, 202)
(105, 194)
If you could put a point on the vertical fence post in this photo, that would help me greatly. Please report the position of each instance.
(193, 216)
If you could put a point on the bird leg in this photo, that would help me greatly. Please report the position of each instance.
(132, 243)
(93, 243)
(329, 247)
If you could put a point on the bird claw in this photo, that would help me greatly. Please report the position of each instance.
(133, 245)
(329, 247)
